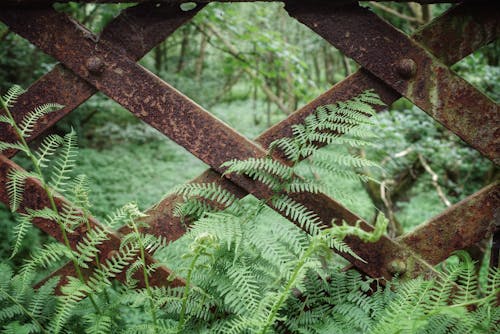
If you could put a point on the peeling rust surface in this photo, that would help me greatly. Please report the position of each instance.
(132, 86)
(379, 48)
(459, 227)
(35, 198)
(382, 254)
(173, 114)
(134, 32)
(471, 26)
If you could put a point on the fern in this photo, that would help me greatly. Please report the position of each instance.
(88, 248)
(65, 163)
(10, 98)
(27, 124)
(247, 269)
(47, 149)
(22, 307)
(15, 187)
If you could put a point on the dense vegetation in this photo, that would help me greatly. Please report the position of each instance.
(251, 66)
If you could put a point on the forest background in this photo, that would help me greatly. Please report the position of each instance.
(252, 65)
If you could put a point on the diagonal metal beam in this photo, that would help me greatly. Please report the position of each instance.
(456, 228)
(410, 69)
(35, 198)
(360, 81)
(134, 32)
(173, 114)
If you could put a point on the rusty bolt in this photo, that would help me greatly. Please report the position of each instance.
(95, 65)
(397, 267)
(407, 68)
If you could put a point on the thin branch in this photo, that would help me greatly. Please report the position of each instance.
(435, 177)
(231, 49)
(396, 13)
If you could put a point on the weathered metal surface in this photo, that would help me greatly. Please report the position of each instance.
(166, 225)
(160, 105)
(460, 226)
(392, 261)
(380, 48)
(35, 198)
(467, 27)
(134, 32)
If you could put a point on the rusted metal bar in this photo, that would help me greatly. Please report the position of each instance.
(457, 227)
(173, 229)
(167, 110)
(410, 69)
(134, 32)
(35, 198)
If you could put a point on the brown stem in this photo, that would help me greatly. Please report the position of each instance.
(435, 178)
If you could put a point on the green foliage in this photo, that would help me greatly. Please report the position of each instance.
(246, 270)
(22, 308)
(403, 137)
(347, 303)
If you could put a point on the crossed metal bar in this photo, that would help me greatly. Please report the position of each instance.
(108, 64)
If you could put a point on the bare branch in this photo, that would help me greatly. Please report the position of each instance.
(435, 177)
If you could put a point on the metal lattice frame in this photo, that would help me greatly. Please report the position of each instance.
(393, 64)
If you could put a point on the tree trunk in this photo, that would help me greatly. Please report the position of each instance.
(184, 45)
(200, 61)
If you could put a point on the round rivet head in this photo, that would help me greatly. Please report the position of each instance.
(407, 68)
(95, 65)
(397, 267)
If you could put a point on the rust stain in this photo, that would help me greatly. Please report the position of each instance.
(387, 251)
(459, 106)
(459, 227)
(36, 198)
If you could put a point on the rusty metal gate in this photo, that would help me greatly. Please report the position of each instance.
(392, 63)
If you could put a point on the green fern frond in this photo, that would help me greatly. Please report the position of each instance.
(222, 224)
(87, 248)
(307, 219)
(198, 198)
(243, 294)
(288, 146)
(65, 163)
(29, 121)
(44, 257)
(47, 149)
(12, 146)
(114, 266)
(20, 229)
(71, 217)
(98, 323)
(305, 185)
(15, 187)
(22, 307)
(80, 191)
(10, 98)
(73, 292)
(42, 297)
(467, 279)
(251, 166)
(341, 231)
(7, 120)
(192, 207)
(45, 213)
